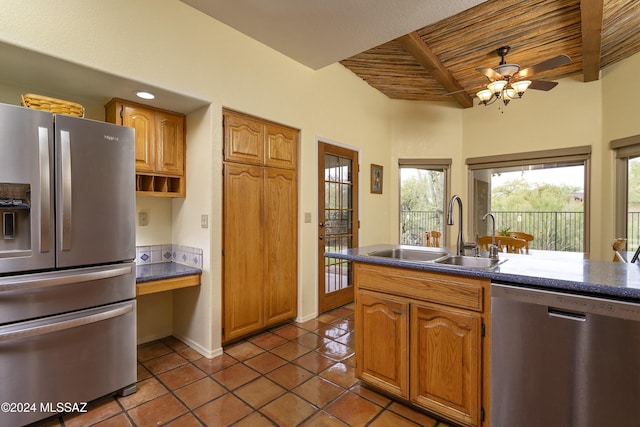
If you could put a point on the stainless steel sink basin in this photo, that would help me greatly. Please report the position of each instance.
(470, 262)
(410, 255)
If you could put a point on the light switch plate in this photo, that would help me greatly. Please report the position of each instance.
(307, 217)
(204, 221)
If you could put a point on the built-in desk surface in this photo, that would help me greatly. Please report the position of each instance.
(165, 276)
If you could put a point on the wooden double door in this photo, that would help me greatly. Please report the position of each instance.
(259, 231)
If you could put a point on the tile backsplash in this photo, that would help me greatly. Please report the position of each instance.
(168, 253)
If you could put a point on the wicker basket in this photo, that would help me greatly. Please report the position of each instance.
(52, 105)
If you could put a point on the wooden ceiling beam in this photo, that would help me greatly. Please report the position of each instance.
(414, 44)
(591, 12)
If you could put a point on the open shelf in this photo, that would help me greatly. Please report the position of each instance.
(159, 185)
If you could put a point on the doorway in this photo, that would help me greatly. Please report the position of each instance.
(337, 223)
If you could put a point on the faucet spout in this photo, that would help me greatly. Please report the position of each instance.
(460, 241)
(493, 249)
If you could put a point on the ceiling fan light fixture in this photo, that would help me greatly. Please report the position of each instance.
(484, 96)
(521, 86)
(496, 87)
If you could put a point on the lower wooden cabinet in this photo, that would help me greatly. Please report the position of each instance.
(445, 361)
(413, 345)
(382, 341)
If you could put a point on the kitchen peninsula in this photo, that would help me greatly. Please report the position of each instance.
(423, 328)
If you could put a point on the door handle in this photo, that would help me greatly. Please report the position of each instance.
(66, 189)
(29, 282)
(65, 324)
(45, 188)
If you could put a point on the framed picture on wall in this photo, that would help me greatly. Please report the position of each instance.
(376, 179)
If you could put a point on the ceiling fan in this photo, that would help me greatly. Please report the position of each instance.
(508, 81)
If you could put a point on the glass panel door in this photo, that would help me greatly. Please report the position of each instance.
(337, 223)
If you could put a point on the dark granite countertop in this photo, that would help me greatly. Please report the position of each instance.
(163, 270)
(561, 271)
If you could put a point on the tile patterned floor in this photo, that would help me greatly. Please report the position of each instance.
(300, 374)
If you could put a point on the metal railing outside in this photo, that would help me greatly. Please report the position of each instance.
(414, 224)
(555, 231)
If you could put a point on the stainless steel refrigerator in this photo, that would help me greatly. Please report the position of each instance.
(67, 276)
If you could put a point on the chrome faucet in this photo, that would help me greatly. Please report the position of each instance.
(460, 246)
(493, 248)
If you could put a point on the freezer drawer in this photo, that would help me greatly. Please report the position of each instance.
(28, 296)
(74, 358)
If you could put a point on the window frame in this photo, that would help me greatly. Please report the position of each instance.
(558, 156)
(435, 164)
(623, 149)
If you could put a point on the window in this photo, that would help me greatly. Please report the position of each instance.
(627, 151)
(423, 194)
(544, 194)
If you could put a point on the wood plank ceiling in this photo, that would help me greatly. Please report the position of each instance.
(439, 62)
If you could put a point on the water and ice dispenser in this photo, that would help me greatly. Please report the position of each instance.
(15, 213)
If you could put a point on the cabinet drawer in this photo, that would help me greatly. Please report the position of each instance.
(446, 289)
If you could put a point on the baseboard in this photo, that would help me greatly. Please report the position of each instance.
(197, 347)
(306, 318)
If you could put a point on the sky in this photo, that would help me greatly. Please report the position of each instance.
(570, 175)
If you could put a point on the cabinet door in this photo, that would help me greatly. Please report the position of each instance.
(280, 242)
(169, 143)
(243, 140)
(445, 362)
(142, 121)
(243, 283)
(382, 323)
(281, 147)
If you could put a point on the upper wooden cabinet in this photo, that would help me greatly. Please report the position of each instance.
(252, 141)
(160, 146)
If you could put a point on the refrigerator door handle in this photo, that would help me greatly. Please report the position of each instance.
(31, 282)
(65, 324)
(65, 144)
(45, 188)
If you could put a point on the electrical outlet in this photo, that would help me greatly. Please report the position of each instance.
(204, 221)
(143, 219)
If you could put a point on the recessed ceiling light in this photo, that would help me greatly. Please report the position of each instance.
(145, 95)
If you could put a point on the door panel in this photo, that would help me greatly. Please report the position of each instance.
(95, 173)
(170, 144)
(338, 223)
(281, 236)
(243, 285)
(444, 361)
(141, 120)
(26, 178)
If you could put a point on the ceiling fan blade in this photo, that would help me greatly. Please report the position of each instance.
(490, 73)
(542, 85)
(542, 66)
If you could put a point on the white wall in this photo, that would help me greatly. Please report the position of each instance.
(172, 46)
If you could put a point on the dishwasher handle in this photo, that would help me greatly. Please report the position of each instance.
(568, 315)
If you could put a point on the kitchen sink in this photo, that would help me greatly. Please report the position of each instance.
(410, 255)
(470, 262)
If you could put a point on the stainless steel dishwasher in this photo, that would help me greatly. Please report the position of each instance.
(563, 360)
